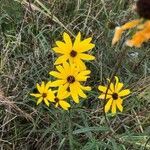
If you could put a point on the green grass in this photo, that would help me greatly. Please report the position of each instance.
(27, 35)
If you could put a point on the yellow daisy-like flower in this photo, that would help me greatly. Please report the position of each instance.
(45, 93)
(141, 36)
(71, 77)
(60, 97)
(114, 95)
(74, 52)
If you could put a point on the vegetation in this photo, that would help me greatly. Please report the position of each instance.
(28, 32)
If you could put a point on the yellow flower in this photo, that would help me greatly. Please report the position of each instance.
(60, 97)
(114, 94)
(142, 34)
(70, 77)
(74, 52)
(45, 94)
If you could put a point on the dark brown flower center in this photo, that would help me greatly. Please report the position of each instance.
(44, 95)
(143, 8)
(115, 96)
(71, 79)
(56, 100)
(73, 53)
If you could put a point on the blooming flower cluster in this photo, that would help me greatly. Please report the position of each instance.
(70, 74)
(113, 94)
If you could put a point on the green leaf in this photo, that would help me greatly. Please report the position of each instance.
(89, 129)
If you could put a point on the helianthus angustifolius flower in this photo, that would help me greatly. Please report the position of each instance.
(60, 97)
(142, 26)
(71, 77)
(45, 93)
(74, 51)
(113, 96)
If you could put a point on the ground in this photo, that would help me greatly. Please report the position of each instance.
(27, 35)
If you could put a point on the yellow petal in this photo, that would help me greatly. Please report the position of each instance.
(124, 92)
(112, 87)
(67, 40)
(66, 67)
(42, 87)
(117, 35)
(56, 74)
(60, 44)
(50, 96)
(108, 105)
(77, 41)
(47, 86)
(80, 64)
(85, 88)
(119, 104)
(74, 93)
(82, 76)
(73, 70)
(64, 47)
(80, 92)
(119, 87)
(39, 101)
(66, 86)
(60, 68)
(72, 60)
(86, 41)
(58, 83)
(65, 95)
(35, 95)
(61, 59)
(64, 104)
(114, 107)
(46, 102)
(86, 56)
(39, 88)
(104, 89)
(62, 93)
(102, 96)
(86, 47)
(117, 80)
(58, 50)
